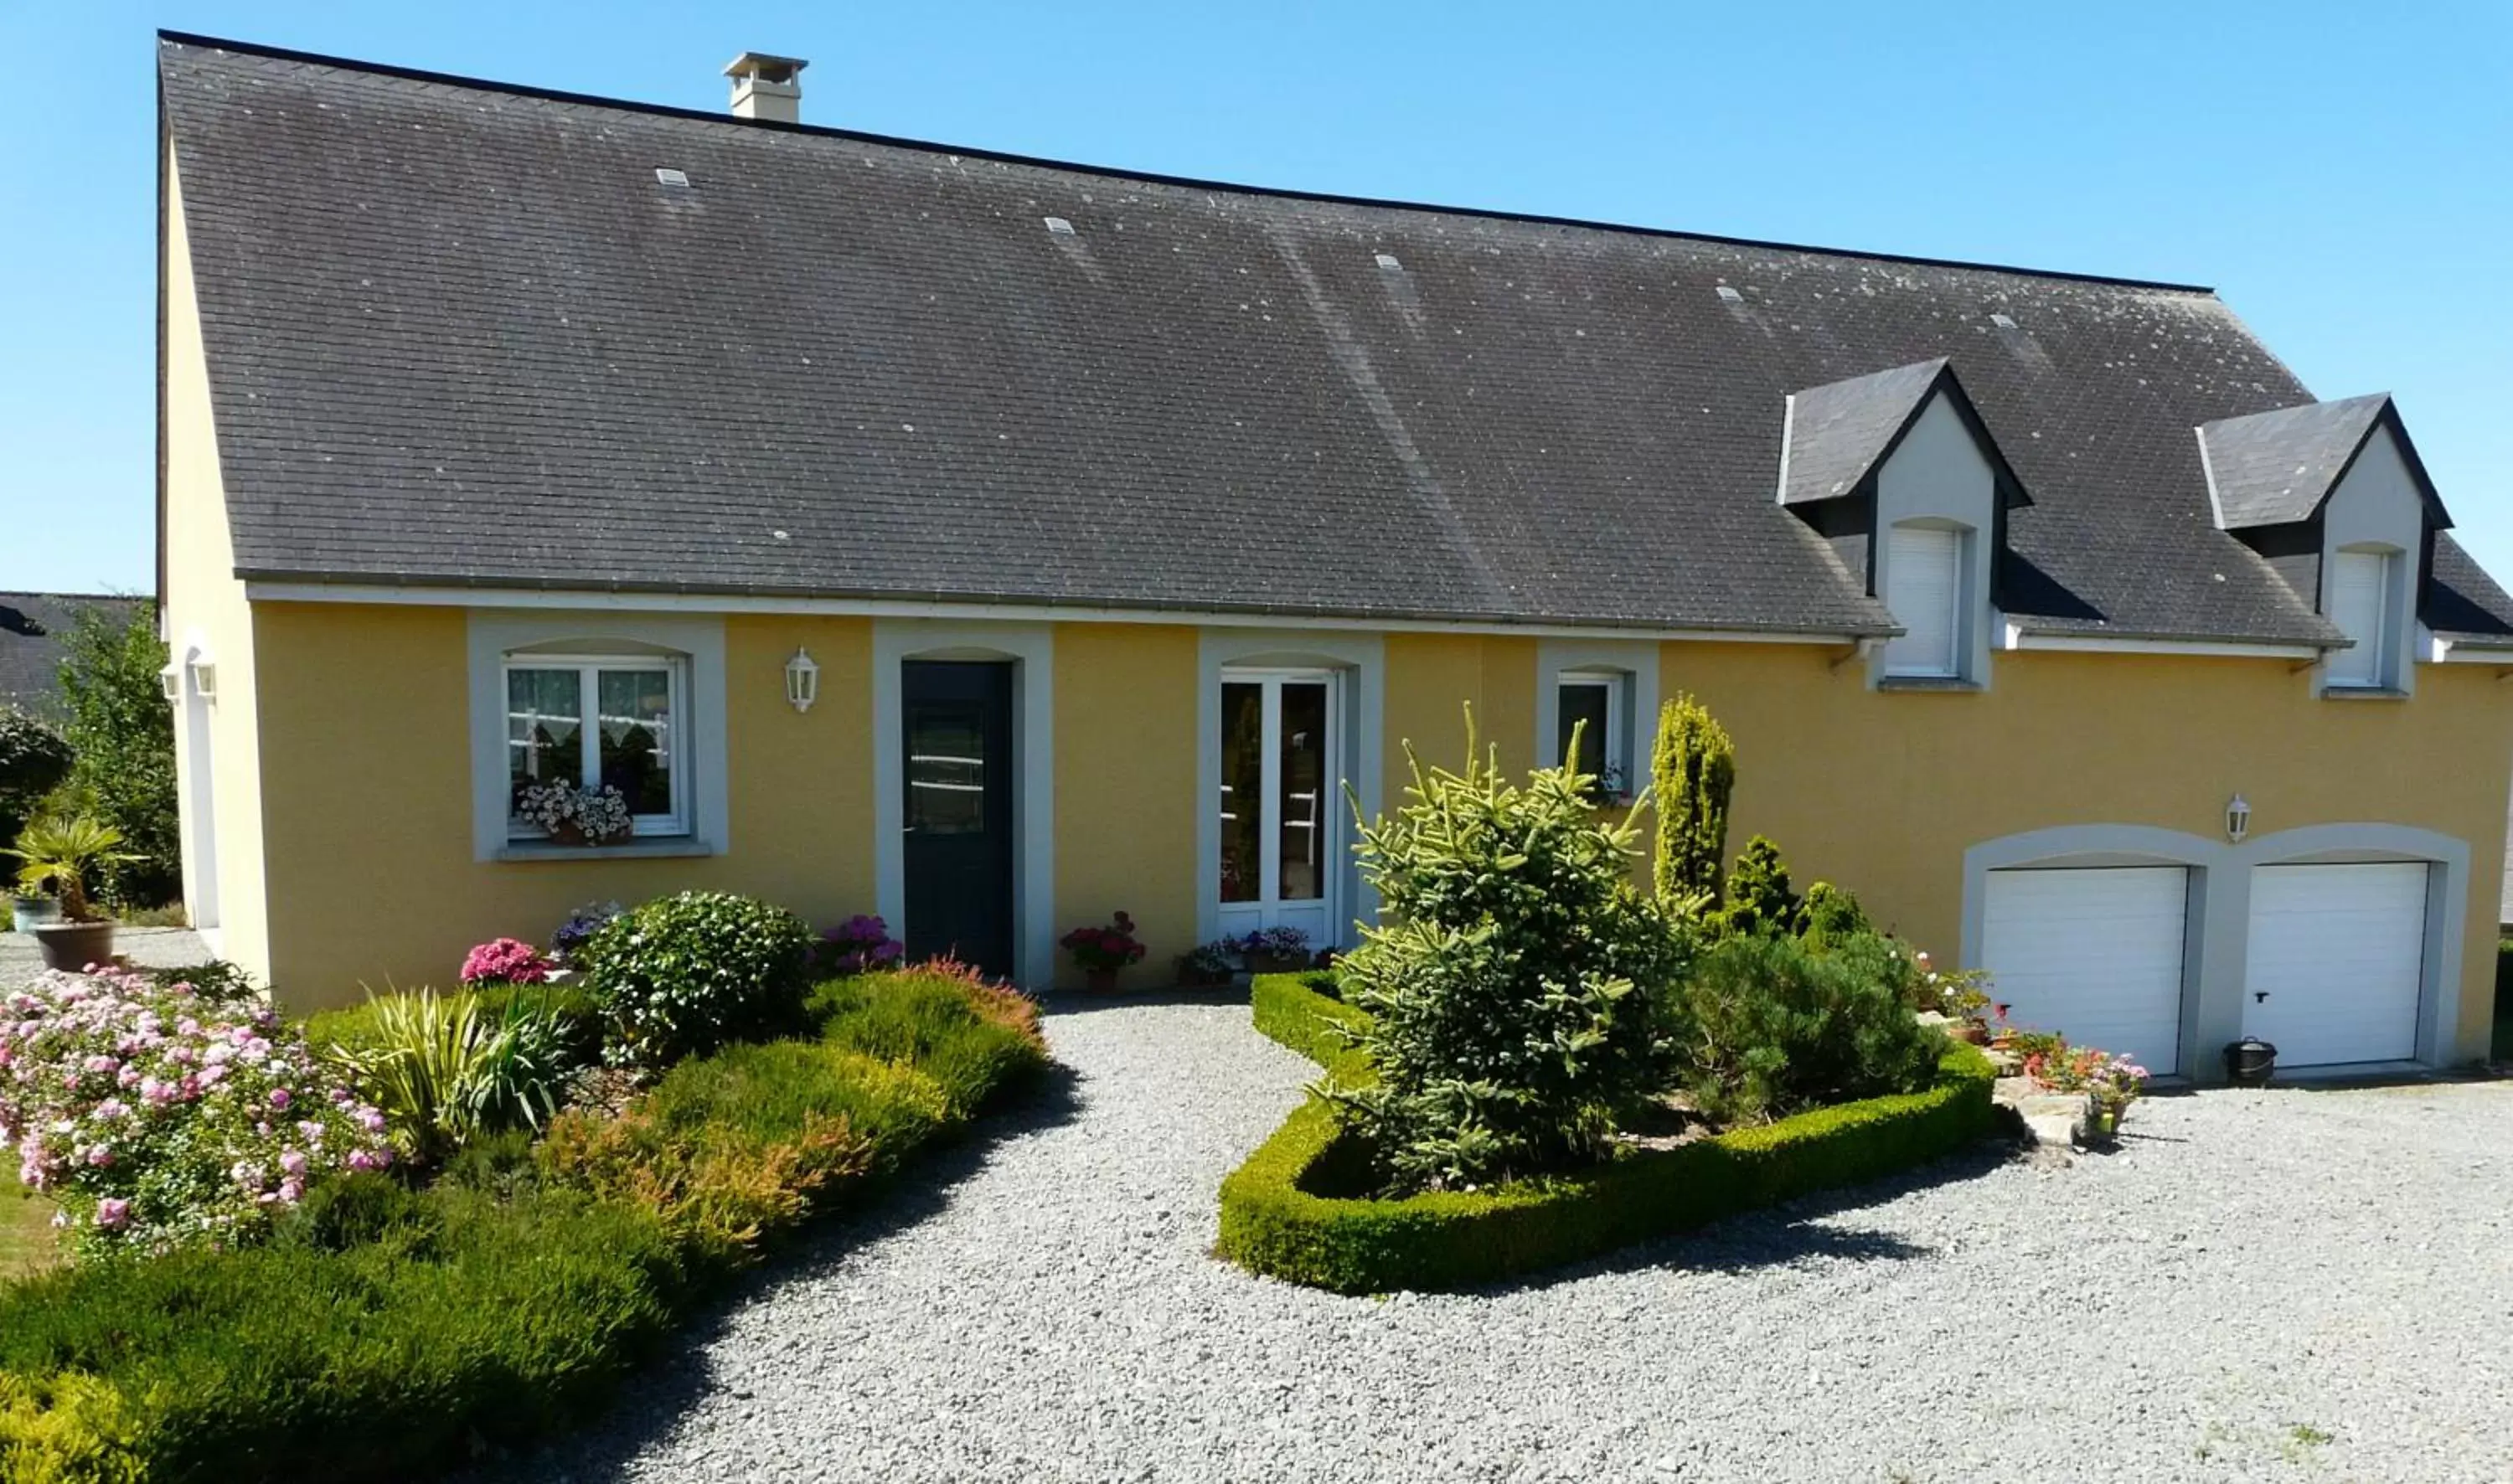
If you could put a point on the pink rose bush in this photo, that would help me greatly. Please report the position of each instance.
(504, 961)
(155, 1117)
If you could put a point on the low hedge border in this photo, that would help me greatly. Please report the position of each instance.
(1272, 1224)
(393, 1333)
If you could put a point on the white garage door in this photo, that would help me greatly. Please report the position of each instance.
(2094, 954)
(2339, 953)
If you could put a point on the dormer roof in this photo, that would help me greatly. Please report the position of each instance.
(2280, 467)
(1838, 434)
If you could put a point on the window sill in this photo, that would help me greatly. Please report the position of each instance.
(2362, 693)
(1952, 683)
(636, 850)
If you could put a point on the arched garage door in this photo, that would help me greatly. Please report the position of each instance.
(2093, 953)
(2337, 958)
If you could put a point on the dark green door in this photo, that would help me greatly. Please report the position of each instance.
(959, 811)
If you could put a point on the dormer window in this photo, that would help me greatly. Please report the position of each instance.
(2357, 594)
(1900, 474)
(1924, 588)
(2333, 496)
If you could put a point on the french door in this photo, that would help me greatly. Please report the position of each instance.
(1282, 810)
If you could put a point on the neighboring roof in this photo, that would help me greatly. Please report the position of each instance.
(2278, 467)
(32, 629)
(462, 334)
(1837, 434)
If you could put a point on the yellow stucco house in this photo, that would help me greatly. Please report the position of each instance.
(994, 544)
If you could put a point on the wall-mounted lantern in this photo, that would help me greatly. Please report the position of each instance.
(170, 681)
(802, 680)
(2238, 819)
(205, 677)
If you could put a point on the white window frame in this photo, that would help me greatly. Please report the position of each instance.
(1618, 740)
(1958, 604)
(675, 741)
(2379, 650)
(1269, 907)
(559, 638)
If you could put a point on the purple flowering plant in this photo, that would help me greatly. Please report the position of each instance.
(860, 944)
(579, 927)
(155, 1117)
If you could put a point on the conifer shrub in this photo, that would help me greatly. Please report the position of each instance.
(1759, 897)
(1516, 988)
(1693, 771)
(1778, 1024)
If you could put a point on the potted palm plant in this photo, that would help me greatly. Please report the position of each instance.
(54, 854)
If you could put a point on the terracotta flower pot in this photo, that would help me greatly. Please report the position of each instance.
(73, 946)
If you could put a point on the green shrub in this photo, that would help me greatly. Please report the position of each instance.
(212, 979)
(1283, 1213)
(1779, 1026)
(1832, 914)
(1514, 991)
(34, 758)
(445, 1069)
(121, 731)
(972, 1038)
(1759, 898)
(1300, 1011)
(684, 974)
(1693, 771)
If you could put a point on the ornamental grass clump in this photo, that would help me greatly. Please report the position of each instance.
(446, 1069)
(1518, 985)
(155, 1117)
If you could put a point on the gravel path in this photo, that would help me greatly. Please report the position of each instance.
(20, 960)
(2279, 1286)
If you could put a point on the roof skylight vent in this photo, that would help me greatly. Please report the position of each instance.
(1388, 261)
(665, 176)
(2003, 322)
(1730, 296)
(1059, 226)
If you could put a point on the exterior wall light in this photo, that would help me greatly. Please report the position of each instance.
(205, 680)
(802, 680)
(170, 681)
(2238, 819)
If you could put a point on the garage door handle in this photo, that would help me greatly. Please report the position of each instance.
(2260, 996)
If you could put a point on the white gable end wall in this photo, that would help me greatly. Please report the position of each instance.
(1939, 473)
(2377, 504)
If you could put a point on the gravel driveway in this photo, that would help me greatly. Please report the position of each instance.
(2279, 1286)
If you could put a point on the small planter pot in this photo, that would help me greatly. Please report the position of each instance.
(73, 946)
(1099, 981)
(2250, 1062)
(31, 912)
(1276, 963)
(2103, 1125)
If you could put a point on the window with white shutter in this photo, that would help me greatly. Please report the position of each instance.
(1923, 589)
(2358, 602)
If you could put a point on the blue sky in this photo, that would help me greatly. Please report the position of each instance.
(2343, 175)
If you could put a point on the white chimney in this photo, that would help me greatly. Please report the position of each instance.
(765, 87)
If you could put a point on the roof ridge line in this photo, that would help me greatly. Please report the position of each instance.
(1154, 178)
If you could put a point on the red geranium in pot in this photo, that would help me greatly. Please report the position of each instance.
(1103, 951)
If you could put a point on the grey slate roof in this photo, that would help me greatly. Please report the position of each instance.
(32, 629)
(2276, 467)
(460, 333)
(1839, 431)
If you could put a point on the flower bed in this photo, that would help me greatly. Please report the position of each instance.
(387, 1332)
(1280, 1217)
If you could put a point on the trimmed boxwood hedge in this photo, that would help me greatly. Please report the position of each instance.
(1274, 1222)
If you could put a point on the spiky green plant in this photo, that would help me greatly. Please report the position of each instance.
(58, 851)
(445, 1071)
(1693, 770)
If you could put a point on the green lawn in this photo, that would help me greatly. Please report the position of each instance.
(25, 1228)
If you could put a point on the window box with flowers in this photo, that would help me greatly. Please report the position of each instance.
(1275, 950)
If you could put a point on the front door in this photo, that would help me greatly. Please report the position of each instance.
(958, 814)
(1282, 855)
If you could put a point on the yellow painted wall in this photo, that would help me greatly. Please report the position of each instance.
(1430, 677)
(1126, 803)
(205, 603)
(367, 821)
(1883, 792)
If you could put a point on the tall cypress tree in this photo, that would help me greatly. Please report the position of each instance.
(1693, 769)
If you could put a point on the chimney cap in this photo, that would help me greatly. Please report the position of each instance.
(765, 68)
